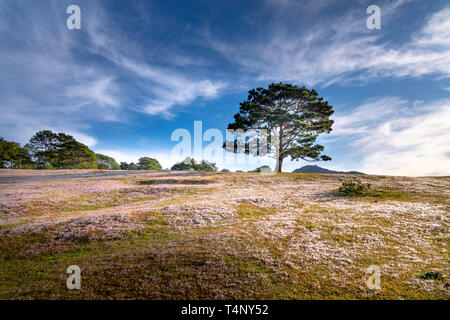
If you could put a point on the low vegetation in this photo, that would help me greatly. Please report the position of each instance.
(356, 189)
(199, 235)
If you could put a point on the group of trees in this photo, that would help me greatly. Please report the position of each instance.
(190, 164)
(144, 163)
(48, 150)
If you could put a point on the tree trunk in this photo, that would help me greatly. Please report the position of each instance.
(280, 151)
(279, 165)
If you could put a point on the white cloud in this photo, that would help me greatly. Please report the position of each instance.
(399, 140)
(57, 79)
(81, 137)
(361, 118)
(164, 87)
(332, 49)
(98, 90)
(44, 83)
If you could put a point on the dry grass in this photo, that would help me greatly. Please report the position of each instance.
(221, 236)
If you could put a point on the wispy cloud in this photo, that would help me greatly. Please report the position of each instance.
(164, 88)
(44, 84)
(66, 80)
(391, 136)
(99, 90)
(335, 49)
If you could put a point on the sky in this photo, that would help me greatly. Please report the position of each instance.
(138, 70)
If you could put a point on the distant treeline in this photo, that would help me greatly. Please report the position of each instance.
(190, 164)
(48, 150)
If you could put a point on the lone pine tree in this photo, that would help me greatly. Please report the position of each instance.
(292, 116)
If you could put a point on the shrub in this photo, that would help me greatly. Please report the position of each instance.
(354, 189)
(431, 275)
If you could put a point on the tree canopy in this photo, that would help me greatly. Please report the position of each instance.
(293, 116)
(60, 151)
(106, 162)
(13, 156)
(48, 150)
(190, 164)
(146, 163)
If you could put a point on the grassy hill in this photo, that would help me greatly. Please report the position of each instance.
(191, 235)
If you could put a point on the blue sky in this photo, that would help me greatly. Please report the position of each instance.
(138, 70)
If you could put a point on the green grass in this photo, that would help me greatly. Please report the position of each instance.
(238, 260)
(250, 210)
(12, 225)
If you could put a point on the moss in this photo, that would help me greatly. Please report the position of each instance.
(12, 225)
(249, 210)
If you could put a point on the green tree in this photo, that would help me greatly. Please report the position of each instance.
(187, 164)
(124, 166)
(43, 148)
(190, 164)
(13, 156)
(133, 166)
(293, 116)
(106, 162)
(71, 154)
(205, 166)
(60, 151)
(146, 163)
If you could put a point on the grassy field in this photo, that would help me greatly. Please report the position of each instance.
(174, 235)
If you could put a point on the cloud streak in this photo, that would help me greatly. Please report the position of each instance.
(394, 137)
(164, 88)
(53, 78)
(341, 49)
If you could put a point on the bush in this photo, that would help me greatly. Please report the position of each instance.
(431, 275)
(354, 189)
(190, 164)
(146, 163)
